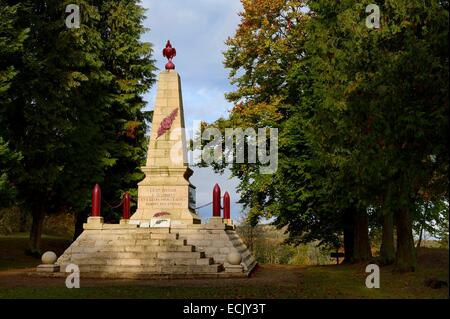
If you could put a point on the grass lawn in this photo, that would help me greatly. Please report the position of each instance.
(12, 250)
(268, 281)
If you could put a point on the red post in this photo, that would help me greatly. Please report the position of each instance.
(216, 201)
(126, 206)
(96, 200)
(226, 206)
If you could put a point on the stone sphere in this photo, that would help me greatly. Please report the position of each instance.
(234, 258)
(49, 257)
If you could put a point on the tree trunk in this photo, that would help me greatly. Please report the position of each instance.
(23, 221)
(419, 242)
(349, 234)
(422, 225)
(387, 250)
(406, 254)
(361, 244)
(34, 245)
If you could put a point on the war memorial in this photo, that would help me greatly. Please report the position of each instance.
(164, 238)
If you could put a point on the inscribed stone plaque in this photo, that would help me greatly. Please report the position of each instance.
(156, 197)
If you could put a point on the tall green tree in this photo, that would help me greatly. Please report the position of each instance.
(269, 39)
(76, 107)
(9, 168)
(384, 103)
(362, 114)
(35, 120)
(129, 66)
(12, 39)
(268, 62)
(431, 218)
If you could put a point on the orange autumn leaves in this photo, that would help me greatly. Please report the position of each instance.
(259, 57)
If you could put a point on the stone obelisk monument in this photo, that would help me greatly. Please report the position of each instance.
(166, 191)
(164, 238)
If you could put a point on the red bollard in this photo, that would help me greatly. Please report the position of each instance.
(226, 206)
(126, 206)
(96, 201)
(216, 201)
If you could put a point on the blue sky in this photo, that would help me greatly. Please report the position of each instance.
(198, 30)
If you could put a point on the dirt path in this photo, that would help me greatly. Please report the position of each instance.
(265, 275)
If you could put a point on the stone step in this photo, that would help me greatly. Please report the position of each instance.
(178, 242)
(152, 261)
(137, 255)
(205, 261)
(169, 248)
(232, 235)
(122, 243)
(104, 243)
(128, 242)
(237, 241)
(171, 269)
(114, 231)
(115, 255)
(162, 251)
(129, 238)
(184, 261)
(180, 254)
(147, 236)
(164, 236)
(104, 262)
(145, 230)
(141, 252)
(175, 247)
(187, 248)
(157, 230)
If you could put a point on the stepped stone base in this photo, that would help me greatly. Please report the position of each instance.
(182, 251)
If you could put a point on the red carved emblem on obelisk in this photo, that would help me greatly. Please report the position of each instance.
(166, 123)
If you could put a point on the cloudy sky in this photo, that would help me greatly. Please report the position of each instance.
(198, 30)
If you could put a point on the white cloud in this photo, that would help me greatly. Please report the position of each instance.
(198, 30)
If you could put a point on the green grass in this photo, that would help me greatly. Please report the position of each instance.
(147, 292)
(349, 282)
(269, 281)
(12, 250)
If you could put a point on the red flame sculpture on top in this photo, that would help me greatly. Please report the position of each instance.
(169, 53)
